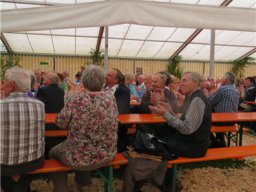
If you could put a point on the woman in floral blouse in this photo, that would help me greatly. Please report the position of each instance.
(91, 118)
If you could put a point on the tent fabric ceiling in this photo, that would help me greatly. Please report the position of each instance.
(133, 40)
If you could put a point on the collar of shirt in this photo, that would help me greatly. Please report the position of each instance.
(112, 89)
(229, 85)
(141, 85)
(250, 87)
(17, 94)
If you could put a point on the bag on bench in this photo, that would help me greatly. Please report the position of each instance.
(149, 144)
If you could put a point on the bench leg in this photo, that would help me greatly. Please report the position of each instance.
(240, 135)
(110, 179)
(107, 176)
(171, 178)
(229, 138)
(174, 177)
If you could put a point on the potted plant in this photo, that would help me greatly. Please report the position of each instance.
(239, 65)
(173, 66)
(97, 56)
(7, 62)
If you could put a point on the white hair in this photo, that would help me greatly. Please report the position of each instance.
(20, 77)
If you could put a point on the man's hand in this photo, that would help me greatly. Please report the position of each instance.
(161, 108)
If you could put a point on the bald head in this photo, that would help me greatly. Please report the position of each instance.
(51, 78)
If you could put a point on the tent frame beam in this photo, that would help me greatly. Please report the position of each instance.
(6, 44)
(194, 35)
(30, 2)
(99, 38)
(247, 54)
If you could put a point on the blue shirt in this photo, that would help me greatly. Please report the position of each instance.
(226, 99)
(141, 91)
(132, 89)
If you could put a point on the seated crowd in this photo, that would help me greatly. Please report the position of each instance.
(88, 108)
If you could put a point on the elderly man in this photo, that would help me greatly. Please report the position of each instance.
(189, 134)
(158, 92)
(53, 98)
(192, 129)
(248, 93)
(115, 83)
(148, 82)
(22, 131)
(225, 100)
(51, 94)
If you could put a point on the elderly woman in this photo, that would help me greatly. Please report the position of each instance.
(91, 118)
(129, 82)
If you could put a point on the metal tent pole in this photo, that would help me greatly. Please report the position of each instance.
(106, 62)
(212, 49)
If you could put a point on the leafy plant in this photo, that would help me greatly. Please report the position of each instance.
(173, 66)
(238, 66)
(97, 56)
(7, 62)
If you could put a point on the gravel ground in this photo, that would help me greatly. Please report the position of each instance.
(193, 180)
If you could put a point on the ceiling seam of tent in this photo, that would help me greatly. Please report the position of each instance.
(197, 51)
(30, 43)
(123, 41)
(130, 39)
(54, 52)
(75, 41)
(144, 41)
(165, 42)
(234, 51)
(185, 44)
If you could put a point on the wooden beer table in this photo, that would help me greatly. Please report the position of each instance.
(134, 103)
(237, 117)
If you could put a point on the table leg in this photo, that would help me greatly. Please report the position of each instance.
(240, 134)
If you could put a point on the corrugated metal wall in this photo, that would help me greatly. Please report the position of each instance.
(73, 64)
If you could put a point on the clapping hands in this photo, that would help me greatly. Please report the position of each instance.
(161, 108)
(156, 96)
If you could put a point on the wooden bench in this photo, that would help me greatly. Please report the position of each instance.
(56, 133)
(230, 132)
(52, 166)
(238, 152)
(212, 154)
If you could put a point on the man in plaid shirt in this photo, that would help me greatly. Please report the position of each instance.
(21, 131)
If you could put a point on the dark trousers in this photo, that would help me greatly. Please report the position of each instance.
(122, 138)
(23, 184)
(218, 139)
(50, 142)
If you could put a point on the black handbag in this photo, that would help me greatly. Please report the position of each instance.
(148, 143)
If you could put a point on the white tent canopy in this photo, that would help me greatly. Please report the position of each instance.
(115, 12)
(138, 29)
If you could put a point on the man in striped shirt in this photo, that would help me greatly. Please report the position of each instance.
(190, 134)
(21, 131)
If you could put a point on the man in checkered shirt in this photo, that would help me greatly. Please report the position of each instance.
(21, 131)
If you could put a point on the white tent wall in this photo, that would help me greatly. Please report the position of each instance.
(107, 13)
(149, 30)
(73, 64)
